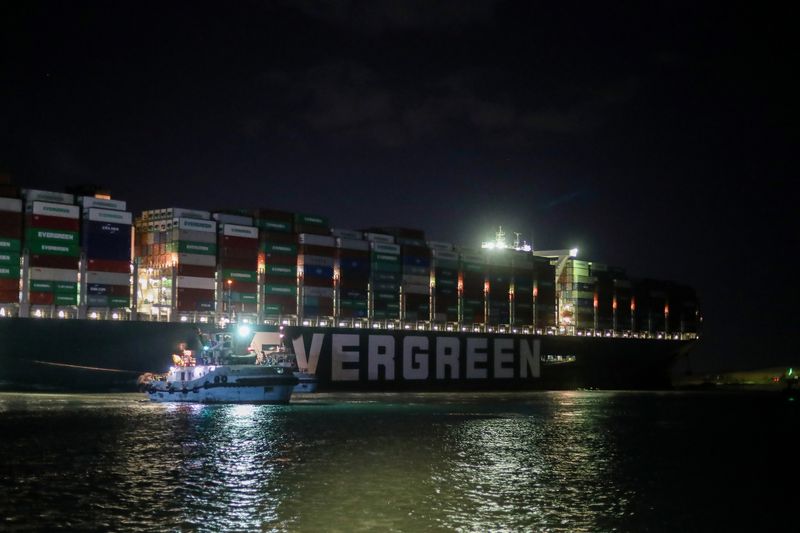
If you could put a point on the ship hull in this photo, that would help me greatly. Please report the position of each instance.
(87, 355)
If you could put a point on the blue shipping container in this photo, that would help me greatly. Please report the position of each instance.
(104, 240)
(316, 271)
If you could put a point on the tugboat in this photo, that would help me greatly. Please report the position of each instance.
(222, 378)
(307, 382)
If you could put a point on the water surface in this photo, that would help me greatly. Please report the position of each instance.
(552, 461)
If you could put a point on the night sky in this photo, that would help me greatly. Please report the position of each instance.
(651, 136)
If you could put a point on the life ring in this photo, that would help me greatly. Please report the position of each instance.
(216, 379)
(196, 389)
(224, 379)
(206, 385)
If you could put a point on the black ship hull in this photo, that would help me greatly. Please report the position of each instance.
(104, 356)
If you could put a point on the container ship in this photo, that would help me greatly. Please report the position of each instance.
(91, 297)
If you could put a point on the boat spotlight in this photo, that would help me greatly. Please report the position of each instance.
(244, 330)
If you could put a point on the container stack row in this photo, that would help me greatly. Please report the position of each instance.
(237, 263)
(10, 251)
(106, 246)
(177, 259)
(522, 292)
(445, 269)
(498, 285)
(353, 267)
(315, 262)
(473, 283)
(278, 260)
(52, 240)
(416, 280)
(544, 293)
(385, 276)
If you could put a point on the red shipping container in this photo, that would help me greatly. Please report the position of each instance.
(41, 298)
(324, 251)
(276, 259)
(9, 284)
(353, 282)
(238, 264)
(245, 307)
(105, 265)
(54, 261)
(276, 237)
(239, 253)
(10, 226)
(9, 297)
(197, 271)
(242, 243)
(318, 282)
(243, 286)
(45, 222)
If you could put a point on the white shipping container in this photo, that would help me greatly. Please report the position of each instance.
(416, 280)
(350, 244)
(14, 205)
(320, 292)
(194, 236)
(379, 237)
(450, 256)
(314, 260)
(471, 258)
(197, 259)
(416, 289)
(194, 224)
(191, 282)
(179, 212)
(225, 218)
(108, 278)
(101, 203)
(33, 195)
(107, 215)
(385, 248)
(54, 274)
(316, 240)
(442, 246)
(55, 210)
(347, 234)
(235, 230)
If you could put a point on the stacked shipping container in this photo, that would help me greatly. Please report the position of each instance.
(522, 299)
(416, 280)
(52, 240)
(10, 249)
(544, 293)
(315, 260)
(385, 276)
(445, 267)
(278, 260)
(498, 283)
(177, 257)
(353, 267)
(237, 247)
(473, 274)
(106, 245)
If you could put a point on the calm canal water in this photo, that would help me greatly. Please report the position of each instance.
(556, 461)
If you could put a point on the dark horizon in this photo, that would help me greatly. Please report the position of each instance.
(652, 137)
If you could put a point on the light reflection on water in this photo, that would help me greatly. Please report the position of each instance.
(569, 461)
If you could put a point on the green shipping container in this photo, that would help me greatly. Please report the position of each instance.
(191, 247)
(312, 220)
(282, 270)
(8, 258)
(272, 309)
(473, 267)
(9, 272)
(40, 285)
(66, 299)
(281, 249)
(51, 235)
(240, 275)
(274, 225)
(282, 290)
(65, 287)
(47, 248)
(9, 245)
(385, 258)
(386, 267)
(382, 296)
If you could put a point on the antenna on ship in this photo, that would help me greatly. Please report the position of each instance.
(499, 242)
